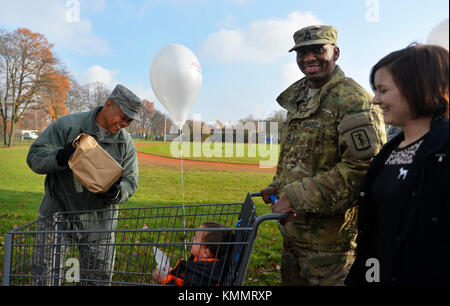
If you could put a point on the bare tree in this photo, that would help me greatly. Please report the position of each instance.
(77, 99)
(98, 94)
(157, 124)
(4, 82)
(249, 118)
(146, 114)
(277, 116)
(143, 125)
(35, 119)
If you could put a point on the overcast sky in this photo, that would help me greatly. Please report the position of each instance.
(242, 45)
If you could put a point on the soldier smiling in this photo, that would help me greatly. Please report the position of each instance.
(329, 138)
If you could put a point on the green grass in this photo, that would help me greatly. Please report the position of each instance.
(220, 152)
(21, 191)
(18, 142)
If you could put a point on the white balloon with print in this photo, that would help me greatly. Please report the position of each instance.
(176, 78)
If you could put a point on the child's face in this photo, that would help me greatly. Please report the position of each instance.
(200, 250)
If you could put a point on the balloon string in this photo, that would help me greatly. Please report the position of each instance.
(181, 156)
(182, 184)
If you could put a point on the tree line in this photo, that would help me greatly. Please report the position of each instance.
(36, 89)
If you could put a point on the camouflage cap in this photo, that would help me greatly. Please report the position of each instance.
(315, 35)
(129, 103)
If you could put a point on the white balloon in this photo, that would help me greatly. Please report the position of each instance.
(176, 78)
(439, 35)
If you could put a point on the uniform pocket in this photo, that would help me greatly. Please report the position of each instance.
(302, 148)
(308, 146)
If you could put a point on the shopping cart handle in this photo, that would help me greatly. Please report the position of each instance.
(272, 197)
(273, 216)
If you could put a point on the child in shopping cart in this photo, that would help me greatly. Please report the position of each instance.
(205, 266)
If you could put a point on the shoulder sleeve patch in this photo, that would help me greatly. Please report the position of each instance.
(361, 137)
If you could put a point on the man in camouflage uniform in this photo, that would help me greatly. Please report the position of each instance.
(49, 155)
(331, 133)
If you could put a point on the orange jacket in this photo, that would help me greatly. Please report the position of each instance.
(198, 272)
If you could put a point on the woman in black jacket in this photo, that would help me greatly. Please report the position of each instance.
(403, 221)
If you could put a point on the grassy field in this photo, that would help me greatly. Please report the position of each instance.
(221, 152)
(21, 191)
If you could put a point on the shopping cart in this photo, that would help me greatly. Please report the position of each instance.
(126, 246)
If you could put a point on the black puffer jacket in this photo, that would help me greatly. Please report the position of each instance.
(421, 252)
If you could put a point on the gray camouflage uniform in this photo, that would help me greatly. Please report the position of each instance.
(63, 193)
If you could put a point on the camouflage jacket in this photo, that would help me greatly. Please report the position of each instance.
(327, 144)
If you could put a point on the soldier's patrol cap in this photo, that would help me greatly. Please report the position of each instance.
(129, 103)
(315, 35)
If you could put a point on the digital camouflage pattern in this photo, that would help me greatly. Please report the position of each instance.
(303, 267)
(327, 144)
(129, 103)
(315, 35)
(95, 253)
(62, 191)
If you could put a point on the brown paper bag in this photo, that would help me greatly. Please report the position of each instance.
(92, 166)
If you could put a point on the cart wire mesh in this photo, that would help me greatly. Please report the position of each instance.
(118, 246)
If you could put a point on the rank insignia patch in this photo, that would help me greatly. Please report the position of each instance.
(308, 36)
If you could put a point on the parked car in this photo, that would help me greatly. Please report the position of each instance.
(31, 135)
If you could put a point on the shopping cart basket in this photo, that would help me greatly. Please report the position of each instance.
(126, 246)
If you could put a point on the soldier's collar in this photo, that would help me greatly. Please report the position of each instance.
(337, 77)
(290, 98)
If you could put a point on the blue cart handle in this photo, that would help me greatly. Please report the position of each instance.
(273, 198)
(274, 216)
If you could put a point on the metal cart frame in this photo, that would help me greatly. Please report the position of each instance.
(118, 244)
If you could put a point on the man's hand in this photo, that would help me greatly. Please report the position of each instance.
(112, 193)
(283, 205)
(267, 192)
(63, 155)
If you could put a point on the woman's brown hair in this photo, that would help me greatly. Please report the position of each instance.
(421, 73)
